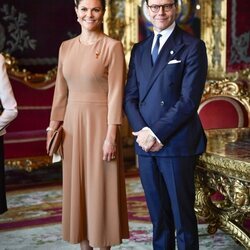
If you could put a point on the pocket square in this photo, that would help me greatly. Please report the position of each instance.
(174, 61)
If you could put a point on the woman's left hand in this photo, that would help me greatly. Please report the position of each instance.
(109, 150)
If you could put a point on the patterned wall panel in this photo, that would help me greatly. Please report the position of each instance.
(238, 35)
(32, 31)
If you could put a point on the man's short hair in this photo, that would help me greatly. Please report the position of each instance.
(175, 1)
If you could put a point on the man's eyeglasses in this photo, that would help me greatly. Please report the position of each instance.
(166, 7)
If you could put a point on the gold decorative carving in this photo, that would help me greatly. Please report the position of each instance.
(236, 90)
(228, 214)
(29, 163)
(228, 174)
(33, 80)
(243, 75)
(228, 167)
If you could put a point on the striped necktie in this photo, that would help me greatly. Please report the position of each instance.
(156, 49)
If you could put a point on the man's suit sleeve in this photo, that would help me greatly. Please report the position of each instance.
(131, 100)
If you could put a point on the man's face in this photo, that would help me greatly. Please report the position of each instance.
(162, 13)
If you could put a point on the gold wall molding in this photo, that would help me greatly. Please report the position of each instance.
(213, 32)
(121, 22)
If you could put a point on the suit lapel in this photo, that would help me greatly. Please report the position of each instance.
(168, 52)
(146, 57)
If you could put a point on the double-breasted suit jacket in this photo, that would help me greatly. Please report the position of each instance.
(165, 96)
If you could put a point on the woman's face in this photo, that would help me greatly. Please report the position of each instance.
(90, 14)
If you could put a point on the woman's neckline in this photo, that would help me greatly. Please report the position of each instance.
(90, 43)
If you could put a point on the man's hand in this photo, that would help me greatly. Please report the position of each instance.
(144, 139)
(156, 147)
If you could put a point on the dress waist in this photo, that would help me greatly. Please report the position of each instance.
(87, 97)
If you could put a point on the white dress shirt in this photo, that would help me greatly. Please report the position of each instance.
(164, 36)
(7, 98)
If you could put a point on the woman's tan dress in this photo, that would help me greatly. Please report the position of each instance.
(88, 96)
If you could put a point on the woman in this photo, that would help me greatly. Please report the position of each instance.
(8, 111)
(88, 101)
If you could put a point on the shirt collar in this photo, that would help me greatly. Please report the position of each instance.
(167, 32)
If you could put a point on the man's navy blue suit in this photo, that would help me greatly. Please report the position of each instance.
(165, 97)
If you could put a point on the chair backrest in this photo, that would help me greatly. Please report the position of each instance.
(25, 141)
(225, 105)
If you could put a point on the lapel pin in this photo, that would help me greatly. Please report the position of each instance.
(171, 52)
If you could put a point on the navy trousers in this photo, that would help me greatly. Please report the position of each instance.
(168, 183)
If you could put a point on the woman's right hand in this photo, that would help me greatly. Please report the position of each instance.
(109, 150)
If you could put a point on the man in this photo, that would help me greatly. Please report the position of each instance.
(161, 100)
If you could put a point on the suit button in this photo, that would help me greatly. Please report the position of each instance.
(162, 103)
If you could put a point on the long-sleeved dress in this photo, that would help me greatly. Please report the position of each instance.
(88, 97)
(9, 106)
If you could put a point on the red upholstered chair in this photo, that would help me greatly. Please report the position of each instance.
(224, 105)
(25, 141)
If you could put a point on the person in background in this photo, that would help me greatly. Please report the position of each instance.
(8, 112)
(166, 78)
(88, 102)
